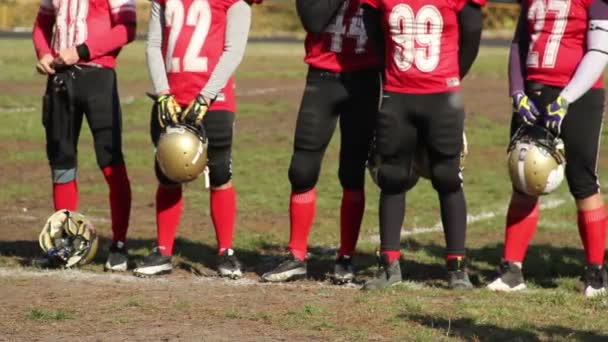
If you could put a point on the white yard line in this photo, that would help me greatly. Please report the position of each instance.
(265, 91)
(550, 203)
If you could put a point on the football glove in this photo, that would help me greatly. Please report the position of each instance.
(194, 114)
(525, 108)
(168, 110)
(556, 111)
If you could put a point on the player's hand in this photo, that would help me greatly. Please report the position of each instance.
(556, 111)
(525, 108)
(168, 110)
(68, 56)
(45, 65)
(194, 114)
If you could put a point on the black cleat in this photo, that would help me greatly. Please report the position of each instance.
(154, 264)
(228, 265)
(344, 272)
(117, 258)
(457, 274)
(386, 276)
(290, 269)
(511, 278)
(596, 280)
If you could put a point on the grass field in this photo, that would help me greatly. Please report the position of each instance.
(192, 304)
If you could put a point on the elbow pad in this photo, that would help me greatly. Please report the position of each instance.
(597, 36)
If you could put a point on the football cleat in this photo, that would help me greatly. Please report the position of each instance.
(596, 280)
(117, 258)
(228, 265)
(343, 270)
(386, 276)
(154, 264)
(511, 278)
(457, 274)
(290, 269)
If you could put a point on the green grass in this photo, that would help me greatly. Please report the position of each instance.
(553, 308)
(45, 315)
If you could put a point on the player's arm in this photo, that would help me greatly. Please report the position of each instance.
(121, 33)
(372, 20)
(470, 21)
(589, 70)
(238, 21)
(41, 36)
(522, 105)
(315, 15)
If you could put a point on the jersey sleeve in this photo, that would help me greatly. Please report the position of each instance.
(122, 11)
(373, 3)
(479, 3)
(43, 28)
(598, 10)
(458, 4)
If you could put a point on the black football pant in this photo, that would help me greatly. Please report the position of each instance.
(71, 94)
(437, 121)
(219, 126)
(352, 98)
(581, 131)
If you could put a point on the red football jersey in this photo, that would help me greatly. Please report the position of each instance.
(193, 41)
(421, 44)
(558, 35)
(73, 22)
(344, 46)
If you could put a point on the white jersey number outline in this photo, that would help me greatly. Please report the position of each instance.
(199, 16)
(356, 30)
(537, 13)
(408, 29)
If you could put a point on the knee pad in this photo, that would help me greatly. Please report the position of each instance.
(304, 170)
(446, 176)
(108, 149)
(394, 179)
(352, 175)
(62, 176)
(220, 170)
(582, 185)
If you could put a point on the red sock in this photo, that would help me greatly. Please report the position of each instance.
(351, 214)
(223, 214)
(453, 256)
(391, 255)
(592, 229)
(301, 215)
(120, 200)
(65, 195)
(522, 221)
(168, 211)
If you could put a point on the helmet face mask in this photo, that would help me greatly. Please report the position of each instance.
(181, 153)
(536, 161)
(69, 238)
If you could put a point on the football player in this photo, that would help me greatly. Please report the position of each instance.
(557, 59)
(194, 47)
(77, 43)
(429, 46)
(343, 83)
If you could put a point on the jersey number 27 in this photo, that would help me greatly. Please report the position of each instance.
(176, 16)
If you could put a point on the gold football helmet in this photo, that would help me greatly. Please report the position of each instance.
(181, 153)
(69, 238)
(536, 160)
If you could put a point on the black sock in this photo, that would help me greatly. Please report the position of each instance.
(392, 211)
(454, 219)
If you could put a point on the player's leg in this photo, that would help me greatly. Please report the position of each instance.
(357, 120)
(521, 223)
(62, 120)
(219, 127)
(396, 136)
(442, 134)
(582, 152)
(169, 204)
(314, 127)
(102, 107)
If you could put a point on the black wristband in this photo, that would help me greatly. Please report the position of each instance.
(83, 52)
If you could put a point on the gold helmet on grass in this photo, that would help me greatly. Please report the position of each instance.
(69, 238)
(181, 153)
(536, 160)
